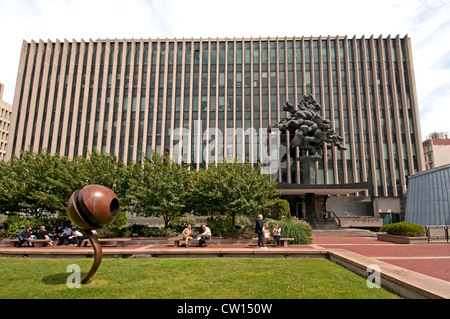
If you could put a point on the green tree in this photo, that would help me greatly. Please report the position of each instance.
(235, 188)
(162, 188)
(10, 186)
(103, 169)
(35, 183)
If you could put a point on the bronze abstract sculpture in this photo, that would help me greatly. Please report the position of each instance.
(93, 207)
(307, 129)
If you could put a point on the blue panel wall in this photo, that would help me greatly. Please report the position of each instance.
(428, 198)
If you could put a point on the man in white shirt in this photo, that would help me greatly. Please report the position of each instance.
(75, 237)
(206, 235)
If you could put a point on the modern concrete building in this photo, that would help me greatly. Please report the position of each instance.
(437, 150)
(5, 115)
(130, 96)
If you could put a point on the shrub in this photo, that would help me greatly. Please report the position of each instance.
(121, 220)
(283, 210)
(219, 225)
(3, 233)
(14, 223)
(109, 231)
(403, 229)
(299, 230)
(180, 223)
(136, 230)
(222, 226)
(139, 230)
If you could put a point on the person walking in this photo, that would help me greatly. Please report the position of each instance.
(325, 216)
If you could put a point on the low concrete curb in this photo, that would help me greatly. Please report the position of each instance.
(167, 253)
(406, 283)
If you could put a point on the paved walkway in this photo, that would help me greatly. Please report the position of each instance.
(429, 259)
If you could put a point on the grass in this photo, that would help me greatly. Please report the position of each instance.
(152, 278)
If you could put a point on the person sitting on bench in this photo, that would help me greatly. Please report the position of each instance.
(76, 235)
(187, 234)
(43, 234)
(24, 236)
(64, 237)
(204, 236)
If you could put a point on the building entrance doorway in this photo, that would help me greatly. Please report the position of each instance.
(300, 209)
(298, 206)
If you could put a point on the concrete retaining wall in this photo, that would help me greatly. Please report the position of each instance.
(363, 222)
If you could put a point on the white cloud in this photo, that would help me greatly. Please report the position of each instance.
(430, 36)
(426, 22)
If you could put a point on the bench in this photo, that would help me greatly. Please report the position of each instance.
(37, 242)
(176, 242)
(117, 242)
(284, 240)
(437, 232)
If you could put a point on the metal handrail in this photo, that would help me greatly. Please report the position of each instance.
(336, 217)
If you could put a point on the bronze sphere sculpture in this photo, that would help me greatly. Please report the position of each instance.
(93, 207)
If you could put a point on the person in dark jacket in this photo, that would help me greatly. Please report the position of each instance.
(24, 235)
(42, 233)
(259, 230)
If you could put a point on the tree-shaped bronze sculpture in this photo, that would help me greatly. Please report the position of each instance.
(310, 132)
(93, 207)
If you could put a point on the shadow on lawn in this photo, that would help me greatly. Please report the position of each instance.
(58, 279)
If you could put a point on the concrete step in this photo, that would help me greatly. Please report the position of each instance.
(321, 224)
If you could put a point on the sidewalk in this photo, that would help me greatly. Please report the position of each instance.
(429, 259)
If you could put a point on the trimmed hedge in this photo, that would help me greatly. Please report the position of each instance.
(403, 229)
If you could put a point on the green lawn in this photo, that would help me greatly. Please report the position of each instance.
(151, 278)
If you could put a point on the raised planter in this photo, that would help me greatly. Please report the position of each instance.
(402, 239)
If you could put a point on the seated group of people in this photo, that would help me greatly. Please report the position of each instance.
(69, 236)
(188, 234)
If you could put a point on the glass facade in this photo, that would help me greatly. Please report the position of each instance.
(128, 97)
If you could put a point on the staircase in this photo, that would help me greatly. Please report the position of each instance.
(330, 228)
(320, 224)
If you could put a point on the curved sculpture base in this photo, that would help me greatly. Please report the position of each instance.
(98, 254)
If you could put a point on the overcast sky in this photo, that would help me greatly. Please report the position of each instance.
(427, 22)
